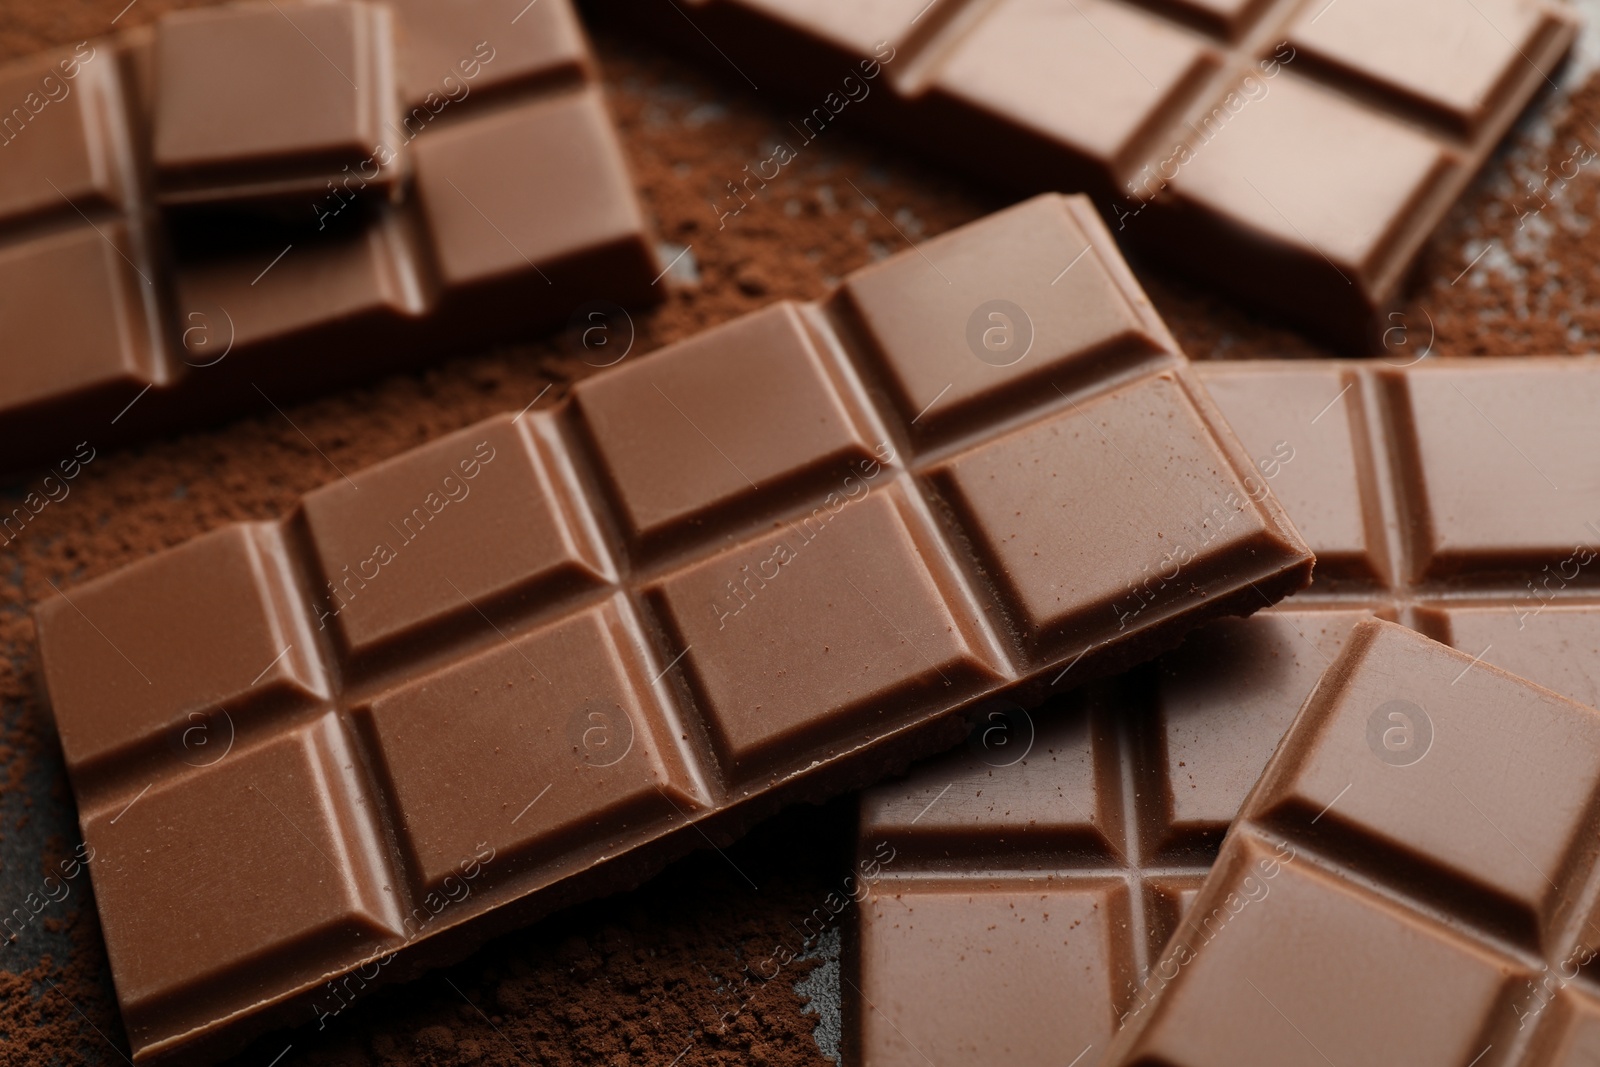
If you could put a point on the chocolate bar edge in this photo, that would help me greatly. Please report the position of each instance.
(1286, 570)
(464, 931)
(1326, 302)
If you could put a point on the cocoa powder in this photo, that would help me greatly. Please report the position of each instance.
(649, 976)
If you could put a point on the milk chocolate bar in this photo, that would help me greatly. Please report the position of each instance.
(126, 317)
(1446, 496)
(1413, 880)
(535, 659)
(1295, 154)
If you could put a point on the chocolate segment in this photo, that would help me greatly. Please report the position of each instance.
(105, 352)
(271, 199)
(236, 637)
(1081, 322)
(1132, 784)
(667, 432)
(541, 184)
(1021, 494)
(483, 46)
(1433, 814)
(414, 522)
(1459, 437)
(888, 629)
(64, 141)
(264, 101)
(314, 884)
(1297, 155)
(717, 580)
(484, 779)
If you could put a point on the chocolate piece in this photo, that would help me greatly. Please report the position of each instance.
(481, 47)
(105, 353)
(62, 141)
(295, 803)
(1441, 495)
(1295, 155)
(526, 657)
(1429, 816)
(263, 101)
(518, 208)
(1100, 817)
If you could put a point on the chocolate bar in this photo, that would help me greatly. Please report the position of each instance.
(1296, 155)
(136, 319)
(535, 659)
(1444, 496)
(1413, 880)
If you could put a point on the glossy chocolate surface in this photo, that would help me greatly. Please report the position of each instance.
(525, 657)
(1445, 496)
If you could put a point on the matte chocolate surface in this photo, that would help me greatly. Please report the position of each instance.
(510, 668)
(1294, 153)
(1446, 496)
(1412, 881)
(135, 320)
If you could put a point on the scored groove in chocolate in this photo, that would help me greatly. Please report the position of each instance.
(1295, 152)
(1474, 945)
(448, 202)
(511, 662)
(1434, 495)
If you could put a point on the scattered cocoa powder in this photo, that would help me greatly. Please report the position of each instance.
(646, 976)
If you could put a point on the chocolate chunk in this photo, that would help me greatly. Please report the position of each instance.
(266, 101)
(410, 522)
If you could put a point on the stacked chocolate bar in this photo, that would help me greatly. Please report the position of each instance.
(1102, 818)
(253, 203)
(1214, 806)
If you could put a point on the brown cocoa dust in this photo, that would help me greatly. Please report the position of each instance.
(647, 977)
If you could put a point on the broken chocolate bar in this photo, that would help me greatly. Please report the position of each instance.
(1439, 495)
(1426, 834)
